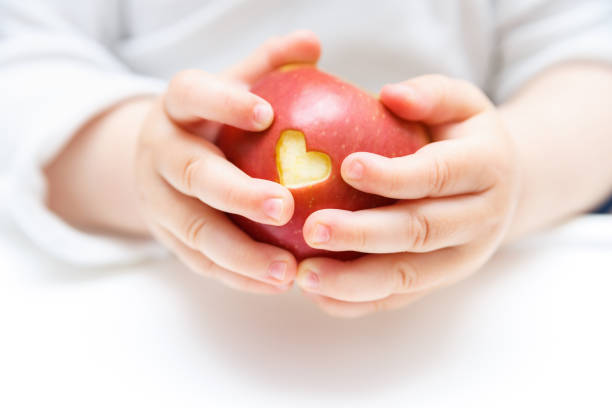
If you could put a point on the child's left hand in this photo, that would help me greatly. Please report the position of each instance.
(456, 200)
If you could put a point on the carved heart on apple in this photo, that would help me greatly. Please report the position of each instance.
(318, 121)
(296, 166)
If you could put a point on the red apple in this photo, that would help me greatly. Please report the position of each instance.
(318, 121)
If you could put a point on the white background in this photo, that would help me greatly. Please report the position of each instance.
(533, 328)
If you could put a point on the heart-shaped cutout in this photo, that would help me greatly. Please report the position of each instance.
(296, 166)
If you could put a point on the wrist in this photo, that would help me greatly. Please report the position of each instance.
(91, 182)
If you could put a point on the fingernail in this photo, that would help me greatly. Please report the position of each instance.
(277, 270)
(405, 91)
(310, 280)
(320, 234)
(263, 114)
(355, 170)
(273, 207)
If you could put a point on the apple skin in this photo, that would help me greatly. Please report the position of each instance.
(336, 118)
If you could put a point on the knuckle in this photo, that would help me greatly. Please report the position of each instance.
(406, 277)
(378, 306)
(439, 176)
(360, 239)
(189, 172)
(394, 183)
(232, 198)
(419, 232)
(206, 267)
(383, 305)
(194, 229)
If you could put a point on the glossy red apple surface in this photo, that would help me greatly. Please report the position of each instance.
(318, 121)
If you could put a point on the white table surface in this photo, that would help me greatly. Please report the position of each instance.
(533, 328)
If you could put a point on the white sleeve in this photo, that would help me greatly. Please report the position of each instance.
(53, 78)
(533, 35)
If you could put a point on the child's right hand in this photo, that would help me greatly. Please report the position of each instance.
(185, 184)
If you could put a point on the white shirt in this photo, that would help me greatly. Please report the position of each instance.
(63, 61)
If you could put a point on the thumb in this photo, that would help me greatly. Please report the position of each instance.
(301, 46)
(434, 99)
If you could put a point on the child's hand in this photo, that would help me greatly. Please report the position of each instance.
(457, 196)
(185, 183)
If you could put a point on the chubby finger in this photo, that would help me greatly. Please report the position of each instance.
(200, 264)
(197, 168)
(301, 46)
(434, 99)
(195, 95)
(210, 232)
(414, 226)
(375, 277)
(448, 167)
(339, 308)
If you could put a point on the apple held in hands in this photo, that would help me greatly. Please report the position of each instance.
(318, 121)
